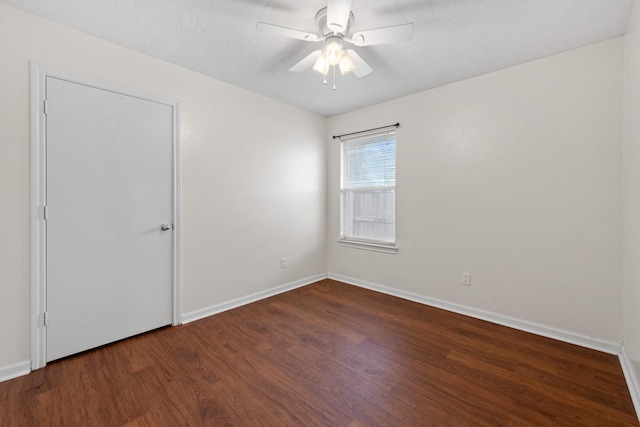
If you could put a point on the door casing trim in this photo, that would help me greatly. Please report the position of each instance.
(37, 199)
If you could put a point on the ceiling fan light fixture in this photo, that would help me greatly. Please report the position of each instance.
(321, 65)
(333, 51)
(346, 64)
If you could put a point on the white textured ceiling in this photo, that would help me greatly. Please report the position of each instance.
(454, 39)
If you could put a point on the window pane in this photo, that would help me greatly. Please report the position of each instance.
(369, 215)
(370, 163)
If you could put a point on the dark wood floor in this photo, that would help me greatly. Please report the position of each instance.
(328, 354)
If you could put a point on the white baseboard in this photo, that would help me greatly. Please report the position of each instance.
(512, 322)
(15, 370)
(219, 308)
(631, 377)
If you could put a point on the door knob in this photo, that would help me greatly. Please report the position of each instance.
(165, 227)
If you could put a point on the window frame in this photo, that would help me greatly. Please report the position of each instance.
(373, 245)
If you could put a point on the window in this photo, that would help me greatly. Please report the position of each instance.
(367, 191)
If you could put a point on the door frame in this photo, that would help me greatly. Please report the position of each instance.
(38, 225)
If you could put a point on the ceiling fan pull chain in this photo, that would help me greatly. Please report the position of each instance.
(334, 78)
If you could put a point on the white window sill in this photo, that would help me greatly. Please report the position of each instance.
(389, 249)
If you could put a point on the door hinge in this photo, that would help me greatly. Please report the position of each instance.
(44, 107)
(45, 318)
(45, 213)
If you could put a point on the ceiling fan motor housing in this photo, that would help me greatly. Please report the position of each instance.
(323, 25)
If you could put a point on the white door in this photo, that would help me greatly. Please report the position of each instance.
(109, 191)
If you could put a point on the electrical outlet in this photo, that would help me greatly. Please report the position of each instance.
(466, 279)
(283, 263)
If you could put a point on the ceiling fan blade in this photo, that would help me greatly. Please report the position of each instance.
(362, 68)
(338, 15)
(393, 34)
(287, 32)
(307, 62)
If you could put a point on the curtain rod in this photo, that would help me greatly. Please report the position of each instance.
(363, 131)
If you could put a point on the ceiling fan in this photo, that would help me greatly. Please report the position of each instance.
(333, 23)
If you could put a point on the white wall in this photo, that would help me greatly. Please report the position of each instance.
(632, 190)
(254, 173)
(514, 177)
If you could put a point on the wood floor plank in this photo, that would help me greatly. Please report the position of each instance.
(327, 354)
